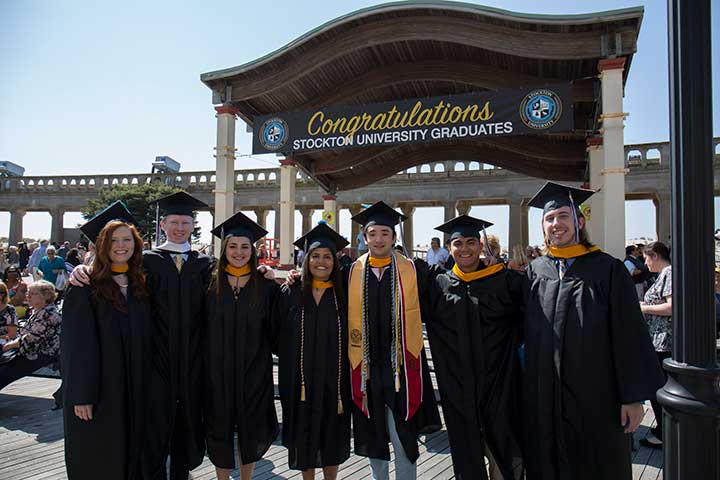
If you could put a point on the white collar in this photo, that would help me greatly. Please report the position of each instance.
(175, 247)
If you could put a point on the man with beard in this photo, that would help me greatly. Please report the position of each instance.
(590, 364)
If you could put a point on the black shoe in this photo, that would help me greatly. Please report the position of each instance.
(57, 406)
(652, 442)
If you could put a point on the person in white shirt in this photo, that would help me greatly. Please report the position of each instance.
(436, 255)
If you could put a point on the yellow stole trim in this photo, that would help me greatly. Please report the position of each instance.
(572, 251)
(321, 284)
(379, 262)
(485, 272)
(238, 272)
(119, 268)
(413, 324)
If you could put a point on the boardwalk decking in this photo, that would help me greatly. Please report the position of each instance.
(31, 444)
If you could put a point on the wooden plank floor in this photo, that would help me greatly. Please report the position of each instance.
(31, 444)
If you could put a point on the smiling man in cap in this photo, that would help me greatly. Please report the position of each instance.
(474, 318)
(590, 364)
(391, 388)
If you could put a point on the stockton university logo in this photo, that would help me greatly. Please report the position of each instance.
(540, 109)
(274, 133)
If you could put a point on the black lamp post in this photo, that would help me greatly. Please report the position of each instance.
(691, 396)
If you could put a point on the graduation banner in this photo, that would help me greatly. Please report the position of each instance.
(470, 115)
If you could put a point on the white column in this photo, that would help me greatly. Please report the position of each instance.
(330, 211)
(663, 216)
(288, 173)
(354, 226)
(613, 119)
(16, 226)
(518, 225)
(408, 233)
(261, 215)
(463, 208)
(596, 222)
(448, 214)
(56, 229)
(306, 213)
(224, 166)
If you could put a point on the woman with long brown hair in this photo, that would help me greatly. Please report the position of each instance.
(239, 382)
(311, 318)
(105, 346)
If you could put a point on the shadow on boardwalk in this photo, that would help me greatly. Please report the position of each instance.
(31, 444)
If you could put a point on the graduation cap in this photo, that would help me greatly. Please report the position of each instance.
(115, 211)
(467, 226)
(321, 236)
(379, 214)
(239, 225)
(179, 203)
(464, 226)
(554, 195)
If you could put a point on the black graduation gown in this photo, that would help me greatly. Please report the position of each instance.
(239, 396)
(313, 432)
(176, 388)
(475, 331)
(371, 437)
(587, 352)
(105, 357)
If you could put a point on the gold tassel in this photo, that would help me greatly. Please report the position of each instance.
(397, 381)
(340, 407)
(302, 392)
(364, 403)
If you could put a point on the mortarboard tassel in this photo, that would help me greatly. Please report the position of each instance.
(487, 244)
(575, 218)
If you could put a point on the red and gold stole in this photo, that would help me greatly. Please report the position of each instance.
(407, 327)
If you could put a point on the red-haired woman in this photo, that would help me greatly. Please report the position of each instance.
(104, 351)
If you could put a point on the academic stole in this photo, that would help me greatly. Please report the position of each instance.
(407, 331)
(485, 272)
(573, 251)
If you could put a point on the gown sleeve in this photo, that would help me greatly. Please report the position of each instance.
(428, 289)
(79, 349)
(425, 275)
(280, 310)
(639, 374)
(518, 284)
(272, 294)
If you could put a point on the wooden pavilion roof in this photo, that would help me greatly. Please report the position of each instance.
(418, 49)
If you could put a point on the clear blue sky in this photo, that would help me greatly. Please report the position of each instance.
(100, 87)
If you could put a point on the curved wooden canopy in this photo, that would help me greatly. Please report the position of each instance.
(417, 49)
